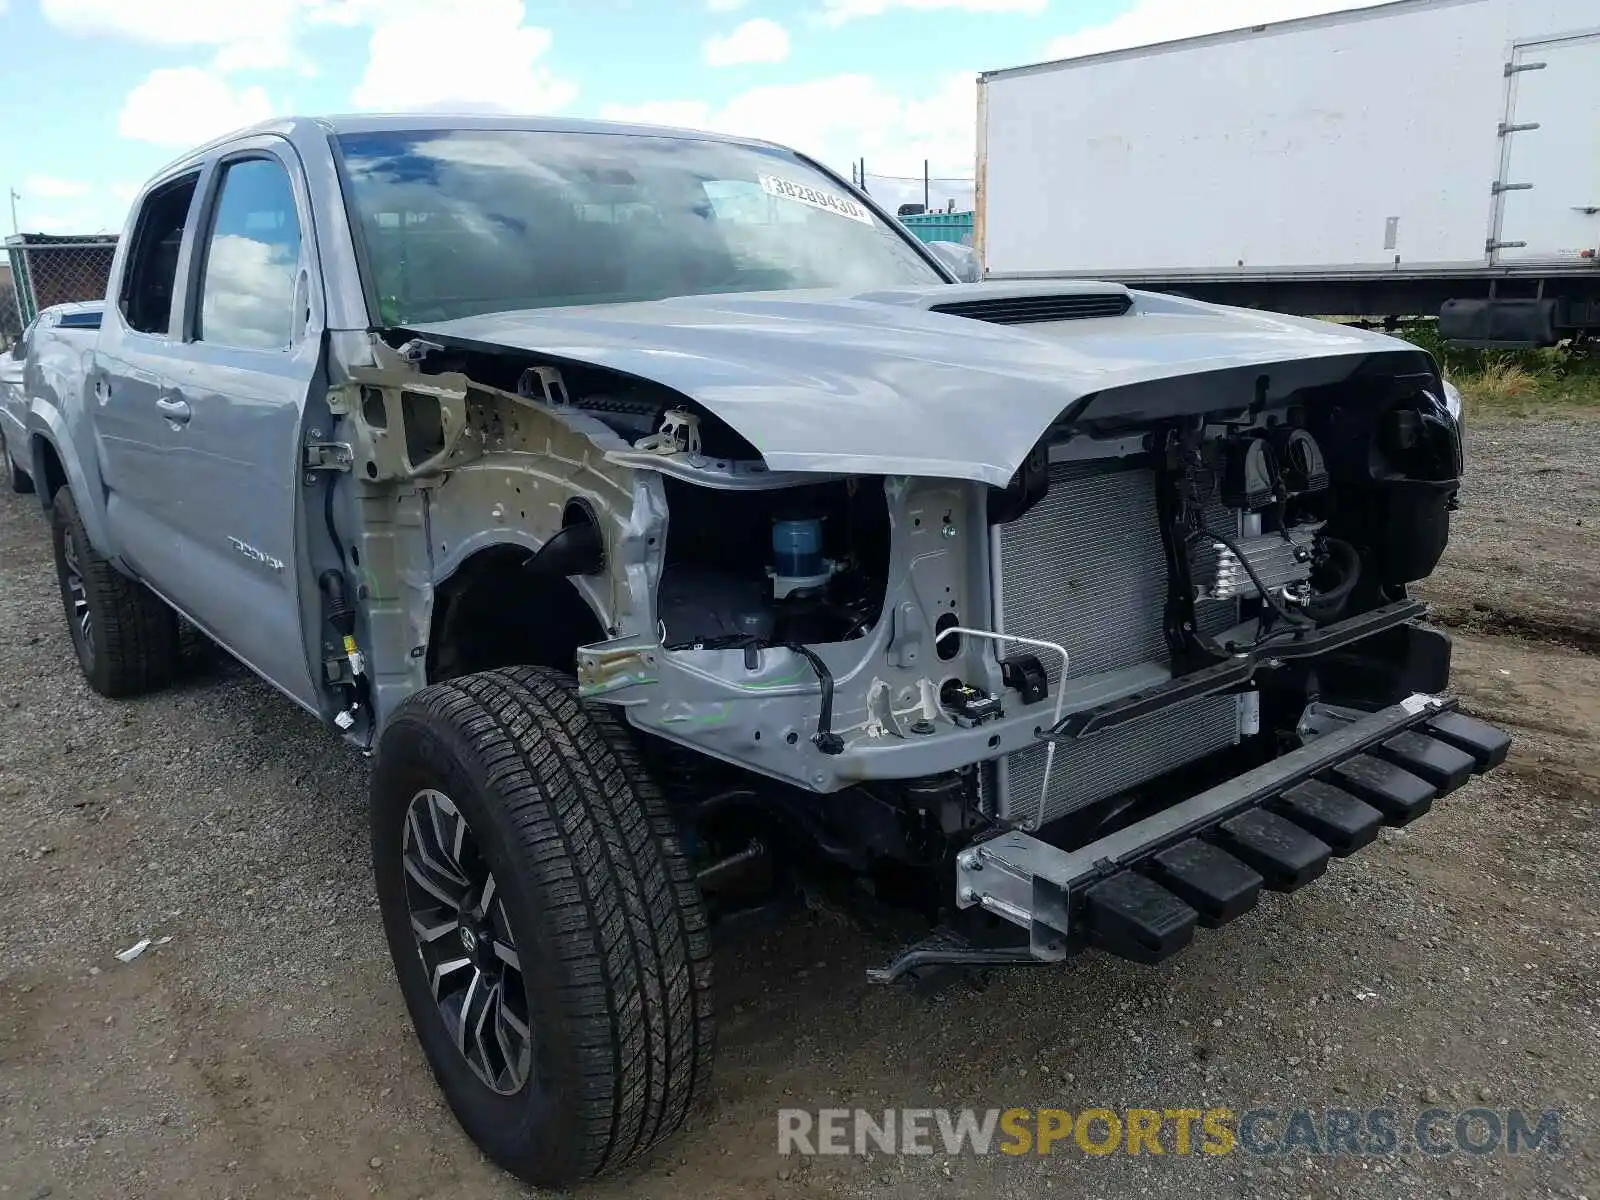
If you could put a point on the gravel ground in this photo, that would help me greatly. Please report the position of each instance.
(264, 1052)
(1523, 559)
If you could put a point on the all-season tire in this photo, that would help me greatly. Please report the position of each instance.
(607, 925)
(17, 481)
(125, 636)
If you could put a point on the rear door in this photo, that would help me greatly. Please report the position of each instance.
(1549, 198)
(127, 384)
(239, 378)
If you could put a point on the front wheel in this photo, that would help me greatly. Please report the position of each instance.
(549, 941)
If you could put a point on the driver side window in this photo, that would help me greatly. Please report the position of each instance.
(252, 259)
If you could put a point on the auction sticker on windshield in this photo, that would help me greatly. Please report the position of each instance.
(841, 206)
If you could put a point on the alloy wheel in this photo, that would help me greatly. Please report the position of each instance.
(77, 594)
(458, 919)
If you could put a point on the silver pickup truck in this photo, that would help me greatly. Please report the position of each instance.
(684, 538)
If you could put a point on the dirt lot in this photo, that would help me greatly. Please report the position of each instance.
(263, 1051)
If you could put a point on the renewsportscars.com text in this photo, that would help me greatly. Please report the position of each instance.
(1168, 1131)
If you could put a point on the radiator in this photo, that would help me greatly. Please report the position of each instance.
(1085, 568)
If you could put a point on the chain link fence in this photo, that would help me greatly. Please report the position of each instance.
(47, 270)
(11, 321)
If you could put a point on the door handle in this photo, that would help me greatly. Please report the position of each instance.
(174, 410)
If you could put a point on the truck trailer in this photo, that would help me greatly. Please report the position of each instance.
(1418, 158)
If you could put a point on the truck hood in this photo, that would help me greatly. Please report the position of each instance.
(878, 383)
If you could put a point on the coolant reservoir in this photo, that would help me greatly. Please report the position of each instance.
(797, 547)
(797, 562)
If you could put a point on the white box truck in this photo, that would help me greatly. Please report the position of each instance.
(1411, 158)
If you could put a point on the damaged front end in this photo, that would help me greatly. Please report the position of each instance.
(1167, 662)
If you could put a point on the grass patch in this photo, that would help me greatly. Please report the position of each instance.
(1514, 382)
(1500, 383)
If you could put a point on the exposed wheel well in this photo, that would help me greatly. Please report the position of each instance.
(493, 612)
(48, 474)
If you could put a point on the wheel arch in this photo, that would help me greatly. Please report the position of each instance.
(493, 611)
(47, 469)
(55, 465)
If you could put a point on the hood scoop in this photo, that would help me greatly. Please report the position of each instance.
(1039, 307)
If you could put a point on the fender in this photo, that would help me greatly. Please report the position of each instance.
(48, 426)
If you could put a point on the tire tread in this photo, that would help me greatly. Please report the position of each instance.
(617, 896)
(136, 633)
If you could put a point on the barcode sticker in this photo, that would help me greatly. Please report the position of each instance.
(800, 193)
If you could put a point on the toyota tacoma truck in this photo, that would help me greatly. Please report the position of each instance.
(681, 537)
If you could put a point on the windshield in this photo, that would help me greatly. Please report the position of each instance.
(460, 222)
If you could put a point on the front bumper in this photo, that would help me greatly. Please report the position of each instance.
(1141, 891)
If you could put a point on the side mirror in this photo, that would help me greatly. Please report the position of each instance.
(959, 260)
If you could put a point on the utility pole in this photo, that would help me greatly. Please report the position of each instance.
(925, 181)
(15, 196)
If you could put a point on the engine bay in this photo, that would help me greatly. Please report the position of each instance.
(801, 565)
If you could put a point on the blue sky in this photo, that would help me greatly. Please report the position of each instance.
(96, 94)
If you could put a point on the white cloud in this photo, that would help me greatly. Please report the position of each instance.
(255, 54)
(56, 222)
(481, 56)
(837, 12)
(247, 285)
(184, 106)
(842, 118)
(250, 34)
(81, 216)
(352, 13)
(346, 13)
(684, 114)
(50, 188)
(1150, 21)
(171, 22)
(848, 116)
(50, 205)
(756, 41)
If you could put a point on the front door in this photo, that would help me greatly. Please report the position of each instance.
(239, 380)
(1550, 197)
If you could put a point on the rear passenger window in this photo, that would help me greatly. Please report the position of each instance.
(152, 270)
(252, 259)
